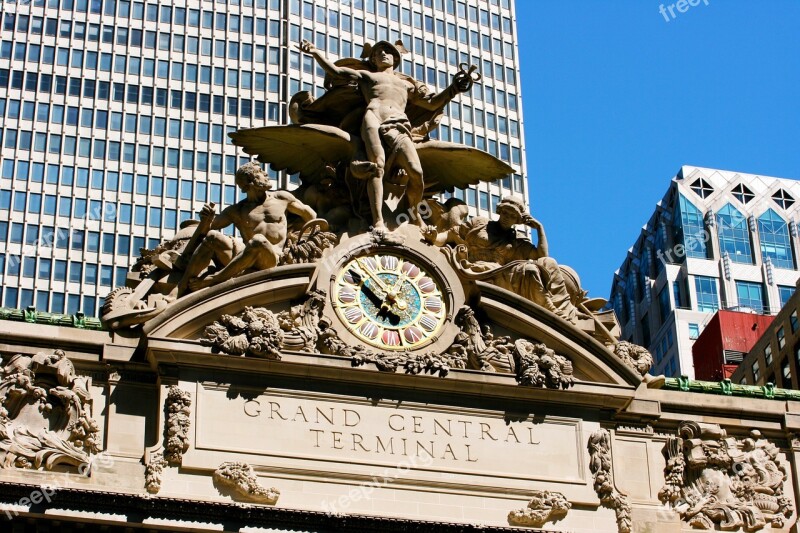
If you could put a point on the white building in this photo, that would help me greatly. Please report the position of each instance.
(114, 115)
(717, 240)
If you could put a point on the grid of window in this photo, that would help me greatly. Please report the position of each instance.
(750, 295)
(776, 243)
(116, 114)
(692, 232)
(734, 235)
(707, 295)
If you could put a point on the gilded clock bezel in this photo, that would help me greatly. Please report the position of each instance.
(427, 270)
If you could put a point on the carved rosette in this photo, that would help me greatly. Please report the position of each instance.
(241, 482)
(714, 480)
(600, 466)
(544, 506)
(45, 413)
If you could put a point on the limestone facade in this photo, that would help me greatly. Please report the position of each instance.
(188, 437)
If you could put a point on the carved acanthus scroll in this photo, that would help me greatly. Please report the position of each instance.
(715, 480)
(544, 506)
(45, 413)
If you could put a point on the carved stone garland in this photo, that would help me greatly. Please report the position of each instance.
(242, 482)
(600, 466)
(543, 507)
(715, 480)
(635, 356)
(45, 413)
(176, 437)
(259, 332)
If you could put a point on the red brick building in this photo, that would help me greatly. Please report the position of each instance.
(725, 341)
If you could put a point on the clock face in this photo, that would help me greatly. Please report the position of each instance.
(389, 301)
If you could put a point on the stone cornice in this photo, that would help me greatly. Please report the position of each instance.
(137, 506)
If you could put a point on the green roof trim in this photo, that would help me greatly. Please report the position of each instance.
(32, 316)
(727, 388)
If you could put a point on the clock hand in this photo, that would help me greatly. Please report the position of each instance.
(372, 276)
(377, 300)
(392, 294)
(389, 294)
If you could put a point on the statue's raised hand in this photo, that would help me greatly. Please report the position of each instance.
(429, 233)
(306, 46)
(208, 211)
(465, 77)
(530, 221)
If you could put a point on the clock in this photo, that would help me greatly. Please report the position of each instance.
(389, 301)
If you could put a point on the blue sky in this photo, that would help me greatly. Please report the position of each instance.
(616, 99)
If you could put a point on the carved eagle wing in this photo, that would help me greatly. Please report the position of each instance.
(296, 148)
(446, 166)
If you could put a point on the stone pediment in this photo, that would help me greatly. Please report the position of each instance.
(506, 321)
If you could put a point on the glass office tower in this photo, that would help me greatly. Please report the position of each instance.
(114, 116)
(716, 240)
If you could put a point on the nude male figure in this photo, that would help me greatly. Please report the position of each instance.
(260, 218)
(385, 125)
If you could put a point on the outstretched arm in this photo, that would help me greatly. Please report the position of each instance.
(325, 63)
(297, 207)
(220, 221)
(462, 82)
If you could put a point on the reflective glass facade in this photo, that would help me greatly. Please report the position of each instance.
(775, 240)
(707, 295)
(750, 295)
(114, 116)
(784, 293)
(734, 235)
(691, 229)
(697, 255)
